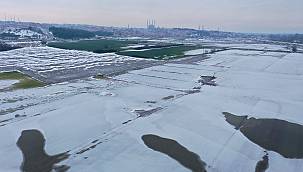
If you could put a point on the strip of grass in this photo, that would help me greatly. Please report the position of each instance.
(162, 53)
(97, 46)
(24, 80)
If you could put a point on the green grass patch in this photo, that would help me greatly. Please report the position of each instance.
(161, 53)
(154, 50)
(69, 33)
(97, 46)
(24, 80)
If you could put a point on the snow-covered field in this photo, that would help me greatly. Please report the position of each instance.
(22, 32)
(197, 52)
(269, 47)
(43, 59)
(105, 124)
(7, 83)
(57, 65)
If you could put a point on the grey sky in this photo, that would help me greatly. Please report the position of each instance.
(231, 15)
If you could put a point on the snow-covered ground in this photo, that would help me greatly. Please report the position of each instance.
(197, 52)
(7, 83)
(22, 32)
(270, 47)
(43, 59)
(102, 122)
(132, 46)
(53, 65)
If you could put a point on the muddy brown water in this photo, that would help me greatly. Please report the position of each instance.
(35, 159)
(276, 135)
(262, 165)
(175, 151)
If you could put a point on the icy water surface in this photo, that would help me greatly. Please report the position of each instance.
(276, 135)
(35, 159)
(176, 151)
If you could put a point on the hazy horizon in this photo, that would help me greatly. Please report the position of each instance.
(271, 16)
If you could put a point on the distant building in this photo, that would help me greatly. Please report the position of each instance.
(151, 24)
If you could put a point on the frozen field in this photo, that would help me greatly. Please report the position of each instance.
(170, 117)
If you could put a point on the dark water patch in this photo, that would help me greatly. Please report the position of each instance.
(35, 159)
(95, 143)
(6, 120)
(208, 80)
(93, 146)
(236, 121)
(194, 91)
(176, 151)
(82, 151)
(263, 164)
(145, 113)
(276, 135)
(19, 116)
(197, 88)
(151, 102)
(168, 97)
(126, 122)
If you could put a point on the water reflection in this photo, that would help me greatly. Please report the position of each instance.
(176, 151)
(276, 135)
(35, 159)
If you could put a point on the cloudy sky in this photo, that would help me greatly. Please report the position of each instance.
(278, 16)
